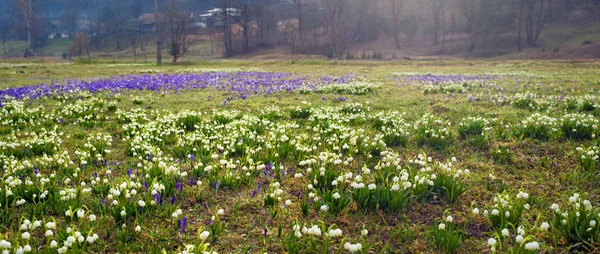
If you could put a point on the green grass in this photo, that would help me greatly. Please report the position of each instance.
(547, 169)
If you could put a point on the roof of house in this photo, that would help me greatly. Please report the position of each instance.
(149, 16)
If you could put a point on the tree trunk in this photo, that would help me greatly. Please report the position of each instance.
(473, 41)
(158, 35)
(520, 26)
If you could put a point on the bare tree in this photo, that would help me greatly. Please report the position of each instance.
(245, 19)
(226, 9)
(179, 28)
(476, 13)
(5, 30)
(25, 9)
(136, 40)
(336, 27)
(396, 11)
(536, 14)
(70, 17)
(158, 34)
(80, 44)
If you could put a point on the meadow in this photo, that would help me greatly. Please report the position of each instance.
(450, 156)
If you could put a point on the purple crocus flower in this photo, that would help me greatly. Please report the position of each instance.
(259, 185)
(183, 224)
(217, 185)
(253, 193)
(173, 200)
(265, 231)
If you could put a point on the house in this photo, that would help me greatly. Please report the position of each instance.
(58, 35)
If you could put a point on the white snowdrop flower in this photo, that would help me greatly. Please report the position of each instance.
(141, 203)
(204, 235)
(92, 217)
(334, 182)
(335, 232)
(123, 213)
(491, 242)
(80, 239)
(288, 202)
(89, 239)
(336, 195)
(507, 214)
(544, 226)
(80, 213)
(27, 248)
(495, 212)
(555, 207)
(532, 246)
(36, 224)
(49, 233)
(324, 208)
(50, 225)
(26, 235)
(449, 218)
(592, 223)
(442, 226)
(220, 212)
(364, 232)
(53, 244)
(519, 239)
(68, 213)
(138, 228)
(505, 232)
(475, 211)
(5, 244)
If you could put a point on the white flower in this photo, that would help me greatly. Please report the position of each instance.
(123, 213)
(53, 244)
(505, 232)
(475, 211)
(5, 244)
(27, 248)
(352, 247)
(592, 223)
(49, 233)
(92, 217)
(336, 195)
(532, 246)
(141, 203)
(138, 228)
(288, 202)
(80, 213)
(442, 226)
(492, 242)
(324, 208)
(507, 214)
(50, 225)
(220, 212)
(519, 239)
(335, 232)
(372, 186)
(495, 212)
(204, 235)
(449, 218)
(544, 226)
(364, 232)
(26, 235)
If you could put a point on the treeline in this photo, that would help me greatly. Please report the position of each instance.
(328, 27)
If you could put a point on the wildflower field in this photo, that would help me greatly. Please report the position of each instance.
(267, 157)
